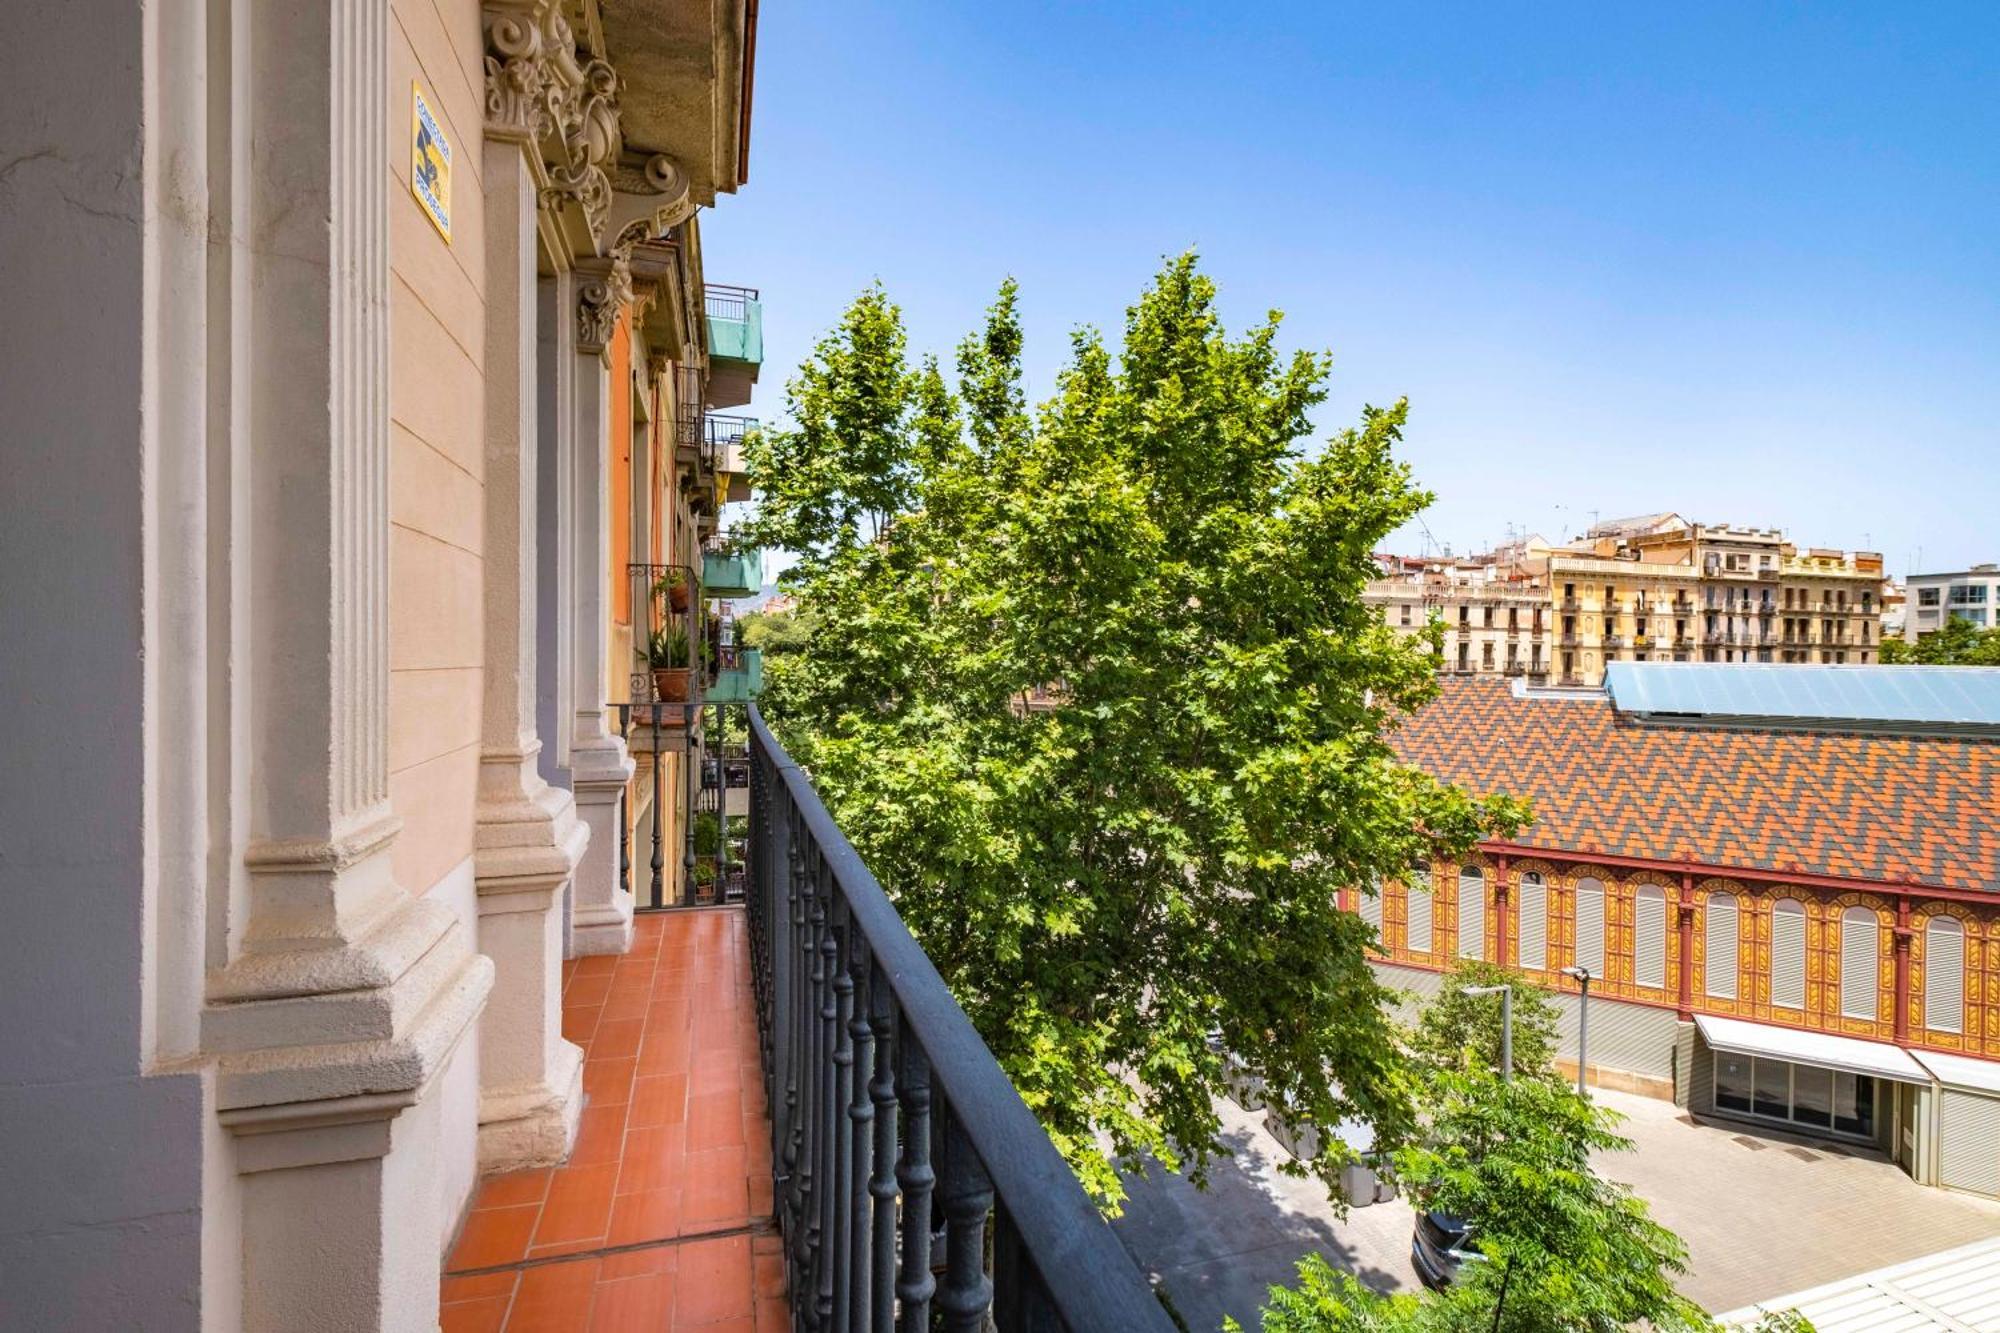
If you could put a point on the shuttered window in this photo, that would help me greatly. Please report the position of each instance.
(1471, 914)
(1371, 906)
(1534, 934)
(1788, 954)
(1418, 937)
(1944, 975)
(1858, 945)
(1649, 937)
(1590, 926)
(1721, 965)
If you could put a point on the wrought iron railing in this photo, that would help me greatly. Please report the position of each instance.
(893, 1128)
(722, 301)
(652, 730)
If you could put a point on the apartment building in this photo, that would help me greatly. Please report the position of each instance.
(400, 468)
(1657, 588)
(1496, 620)
(1766, 873)
(367, 964)
(1972, 595)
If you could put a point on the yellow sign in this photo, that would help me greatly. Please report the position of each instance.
(430, 163)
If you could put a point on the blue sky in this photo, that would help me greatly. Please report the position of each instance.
(1738, 260)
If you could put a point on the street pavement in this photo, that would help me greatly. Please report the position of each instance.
(1762, 1214)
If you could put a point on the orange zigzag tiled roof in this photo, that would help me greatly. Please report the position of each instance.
(1888, 808)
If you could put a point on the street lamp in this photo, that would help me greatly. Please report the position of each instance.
(1582, 975)
(1506, 994)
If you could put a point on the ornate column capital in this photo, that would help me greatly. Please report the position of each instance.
(602, 288)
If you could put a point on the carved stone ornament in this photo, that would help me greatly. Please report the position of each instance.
(598, 299)
(539, 92)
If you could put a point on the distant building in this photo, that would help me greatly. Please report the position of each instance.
(1780, 881)
(1972, 595)
(1496, 618)
(1658, 588)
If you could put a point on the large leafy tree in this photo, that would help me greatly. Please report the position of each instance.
(1958, 642)
(1092, 688)
(1567, 1251)
(1454, 1028)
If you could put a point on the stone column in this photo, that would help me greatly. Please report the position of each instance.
(600, 767)
(529, 840)
(339, 1000)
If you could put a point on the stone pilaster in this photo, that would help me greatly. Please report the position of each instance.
(343, 998)
(528, 839)
(600, 766)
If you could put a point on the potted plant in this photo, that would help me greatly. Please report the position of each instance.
(673, 586)
(667, 654)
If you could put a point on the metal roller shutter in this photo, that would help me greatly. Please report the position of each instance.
(1418, 937)
(1858, 945)
(1649, 946)
(1722, 945)
(1590, 926)
(1944, 975)
(1969, 1142)
(1788, 955)
(1371, 908)
(1534, 948)
(1471, 914)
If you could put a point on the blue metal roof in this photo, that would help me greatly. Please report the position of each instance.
(1892, 698)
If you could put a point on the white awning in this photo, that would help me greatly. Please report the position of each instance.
(1960, 1071)
(1877, 1059)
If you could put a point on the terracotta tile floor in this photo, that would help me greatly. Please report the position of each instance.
(661, 1219)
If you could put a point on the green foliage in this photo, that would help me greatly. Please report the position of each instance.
(1151, 859)
(1958, 642)
(1330, 1301)
(1455, 1029)
(668, 647)
(774, 631)
(706, 833)
(1514, 1158)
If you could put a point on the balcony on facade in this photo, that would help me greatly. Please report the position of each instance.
(730, 573)
(735, 319)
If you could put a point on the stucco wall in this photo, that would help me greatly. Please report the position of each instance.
(437, 467)
(100, 1217)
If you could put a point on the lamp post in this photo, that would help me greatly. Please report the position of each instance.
(1506, 994)
(1582, 975)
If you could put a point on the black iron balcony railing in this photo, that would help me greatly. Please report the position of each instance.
(722, 301)
(891, 1122)
(653, 730)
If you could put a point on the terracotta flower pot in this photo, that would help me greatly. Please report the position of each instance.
(672, 683)
(677, 596)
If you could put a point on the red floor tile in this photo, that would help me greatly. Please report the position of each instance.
(673, 1143)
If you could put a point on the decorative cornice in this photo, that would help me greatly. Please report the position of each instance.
(539, 93)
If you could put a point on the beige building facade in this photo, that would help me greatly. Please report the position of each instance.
(1495, 622)
(323, 616)
(1657, 588)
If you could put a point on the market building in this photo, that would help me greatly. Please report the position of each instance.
(1784, 884)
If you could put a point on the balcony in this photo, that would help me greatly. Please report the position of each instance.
(732, 573)
(773, 1088)
(726, 435)
(739, 675)
(735, 318)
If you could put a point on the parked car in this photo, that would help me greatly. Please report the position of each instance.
(1441, 1247)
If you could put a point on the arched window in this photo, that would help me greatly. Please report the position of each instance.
(1788, 954)
(1417, 936)
(1590, 926)
(1944, 975)
(1534, 932)
(1722, 946)
(1859, 943)
(1649, 937)
(1471, 912)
